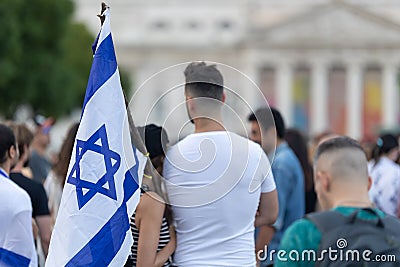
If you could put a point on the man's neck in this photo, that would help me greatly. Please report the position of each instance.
(39, 149)
(208, 125)
(18, 168)
(278, 143)
(6, 167)
(352, 201)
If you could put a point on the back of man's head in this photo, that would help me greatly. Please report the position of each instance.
(344, 159)
(204, 80)
(7, 140)
(269, 117)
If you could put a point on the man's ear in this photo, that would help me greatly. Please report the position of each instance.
(223, 97)
(369, 183)
(12, 152)
(324, 180)
(189, 102)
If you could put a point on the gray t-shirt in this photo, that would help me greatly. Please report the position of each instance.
(40, 166)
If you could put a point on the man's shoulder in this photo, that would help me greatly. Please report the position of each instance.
(285, 153)
(11, 193)
(303, 227)
(301, 235)
(229, 138)
(285, 158)
(25, 183)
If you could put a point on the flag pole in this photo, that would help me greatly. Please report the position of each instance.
(136, 140)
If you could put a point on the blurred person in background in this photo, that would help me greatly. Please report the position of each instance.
(368, 146)
(318, 139)
(151, 224)
(268, 130)
(385, 174)
(398, 140)
(35, 190)
(39, 163)
(55, 180)
(298, 144)
(16, 236)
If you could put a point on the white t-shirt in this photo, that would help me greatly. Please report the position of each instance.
(54, 193)
(16, 236)
(214, 181)
(385, 189)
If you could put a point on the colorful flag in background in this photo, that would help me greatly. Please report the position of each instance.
(104, 176)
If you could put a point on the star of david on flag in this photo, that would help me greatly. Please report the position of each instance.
(104, 175)
(74, 176)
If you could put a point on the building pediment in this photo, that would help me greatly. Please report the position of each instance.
(331, 26)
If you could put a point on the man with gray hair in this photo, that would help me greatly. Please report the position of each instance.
(352, 226)
(216, 181)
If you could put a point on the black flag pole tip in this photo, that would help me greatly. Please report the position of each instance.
(104, 6)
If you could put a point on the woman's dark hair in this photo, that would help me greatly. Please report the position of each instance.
(156, 140)
(298, 144)
(384, 144)
(60, 169)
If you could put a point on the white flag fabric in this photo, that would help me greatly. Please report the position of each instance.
(102, 186)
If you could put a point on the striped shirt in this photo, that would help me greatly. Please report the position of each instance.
(163, 241)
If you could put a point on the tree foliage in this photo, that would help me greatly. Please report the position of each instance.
(45, 57)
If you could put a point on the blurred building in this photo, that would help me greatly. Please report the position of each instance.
(325, 64)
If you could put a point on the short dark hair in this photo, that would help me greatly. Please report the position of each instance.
(23, 136)
(337, 143)
(155, 138)
(204, 80)
(267, 117)
(7, 140)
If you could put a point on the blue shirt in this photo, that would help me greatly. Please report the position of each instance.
(289, 180)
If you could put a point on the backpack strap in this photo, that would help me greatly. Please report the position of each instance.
(391, 224)
(327, 220)
(378, 221)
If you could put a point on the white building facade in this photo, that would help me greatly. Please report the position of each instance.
(327, 65)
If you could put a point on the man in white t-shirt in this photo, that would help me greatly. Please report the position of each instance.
(16, 236)
(219, 184)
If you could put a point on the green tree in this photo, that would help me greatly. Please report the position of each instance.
(45, 57)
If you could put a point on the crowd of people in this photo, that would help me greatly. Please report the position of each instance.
(216, 198)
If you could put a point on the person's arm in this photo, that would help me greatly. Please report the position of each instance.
(266, 216)
(264, 237)
(267, 209)
(268, 204)
(44, 224)
(283, 184)
(148, 219)
(43, 218)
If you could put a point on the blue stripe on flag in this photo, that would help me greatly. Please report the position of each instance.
(103, 67)
(9, 258)
(94, 45)
(103, 247)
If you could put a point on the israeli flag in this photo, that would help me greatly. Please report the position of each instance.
(104, 175)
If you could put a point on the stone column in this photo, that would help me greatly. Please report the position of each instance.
(284, 91)
(251, 82)
(390, 97)
(319, 97)
(354, 99)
